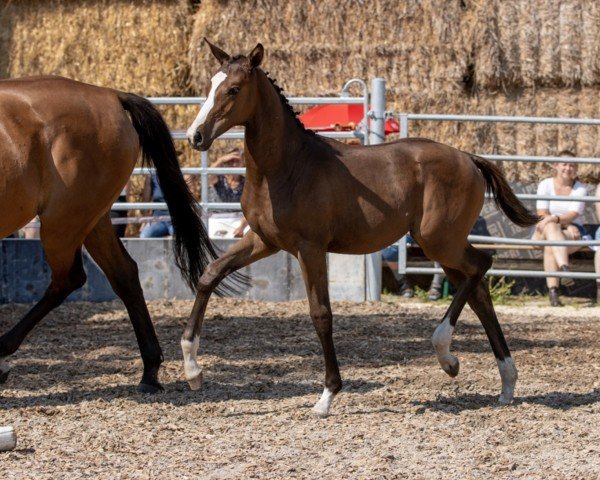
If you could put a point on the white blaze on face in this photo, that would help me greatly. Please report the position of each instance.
(208, 104)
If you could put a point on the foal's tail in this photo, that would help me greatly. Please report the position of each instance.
(504, 197)
(193, 248)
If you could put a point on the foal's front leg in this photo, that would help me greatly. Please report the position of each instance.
(314, 269)
(241, 254)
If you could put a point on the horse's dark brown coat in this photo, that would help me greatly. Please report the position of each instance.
(66, 151)
(310, 195)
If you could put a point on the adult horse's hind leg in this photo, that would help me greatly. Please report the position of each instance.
(122, 273)
(480, 302)
(67, 275)
(241, 254)
(314, 269)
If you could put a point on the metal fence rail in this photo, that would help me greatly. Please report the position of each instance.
(377, 116)
(204, 170)
(404, 119)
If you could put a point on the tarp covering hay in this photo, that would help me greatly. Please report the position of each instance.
(519, 57)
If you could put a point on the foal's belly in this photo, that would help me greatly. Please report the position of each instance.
(364, 240)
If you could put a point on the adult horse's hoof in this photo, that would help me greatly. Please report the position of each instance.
(195, 382)
(150, 388)
(505, 400)
(452, 367)
(4, 370)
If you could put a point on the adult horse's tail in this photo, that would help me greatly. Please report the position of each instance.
(193, 249)
(504, 197)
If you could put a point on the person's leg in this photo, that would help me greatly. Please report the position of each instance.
(389, 255)
(155, 230)
(555, 233)
(552, 282)
(435, 289)
(550, 265)
(597, 264)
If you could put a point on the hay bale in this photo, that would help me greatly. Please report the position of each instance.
(347, 39)
(137, 46)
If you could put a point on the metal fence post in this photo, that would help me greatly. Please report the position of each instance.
(402, 257)
(377, 135)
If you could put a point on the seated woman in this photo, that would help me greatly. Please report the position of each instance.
(597, 249)
(561, 220)
(161, 227)
(229, 187)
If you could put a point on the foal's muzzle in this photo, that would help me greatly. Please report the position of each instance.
(196, 140)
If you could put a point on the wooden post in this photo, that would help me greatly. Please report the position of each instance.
(8, 438)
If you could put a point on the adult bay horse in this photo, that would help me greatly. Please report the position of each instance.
(310, 195)
(66, 151)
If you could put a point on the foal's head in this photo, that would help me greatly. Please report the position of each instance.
(231, 98)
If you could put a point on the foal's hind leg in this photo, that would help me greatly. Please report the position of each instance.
(480, 302)
(314, 269)
(241, 254)
(67, 275)
(122, 273)
(473, 266)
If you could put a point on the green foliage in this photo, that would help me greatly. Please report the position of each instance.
(500, 289)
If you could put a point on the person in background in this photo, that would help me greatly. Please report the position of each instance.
(560, 221)
(160, 227)
(120, 228)
(390, 258)
(31, 231)
(229, 187)
(597, 249)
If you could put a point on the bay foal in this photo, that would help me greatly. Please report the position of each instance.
(66, 151)
(310, 195)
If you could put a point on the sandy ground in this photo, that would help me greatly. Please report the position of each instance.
(71, 396)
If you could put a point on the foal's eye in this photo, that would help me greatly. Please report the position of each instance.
(233, 91)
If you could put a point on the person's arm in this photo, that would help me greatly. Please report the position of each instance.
(146, 197)
(239, 231)
(575, 208)
(212, 179)
(543, 208)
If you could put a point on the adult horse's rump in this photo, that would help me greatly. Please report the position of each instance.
(310, 195)
(66, 151)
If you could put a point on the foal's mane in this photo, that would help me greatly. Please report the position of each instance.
(286, 105)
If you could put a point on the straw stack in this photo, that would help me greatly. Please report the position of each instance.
(514, 57)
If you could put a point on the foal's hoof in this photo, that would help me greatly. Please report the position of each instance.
(195, 382)
(505, 399)
(452, 367)
(150, 388)
(319, 412)
(4, 376)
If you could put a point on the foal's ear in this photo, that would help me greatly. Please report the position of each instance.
(256, 55)
(219, 54)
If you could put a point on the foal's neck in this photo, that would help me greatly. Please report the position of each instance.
(273, 134)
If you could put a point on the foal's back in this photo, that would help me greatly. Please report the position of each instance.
(371, 196)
